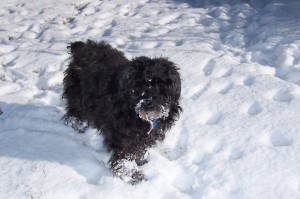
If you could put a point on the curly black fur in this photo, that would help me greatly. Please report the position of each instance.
(103, 88)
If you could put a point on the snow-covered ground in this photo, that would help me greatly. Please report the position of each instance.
(239, 134)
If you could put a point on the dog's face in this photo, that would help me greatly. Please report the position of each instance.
(151, 86)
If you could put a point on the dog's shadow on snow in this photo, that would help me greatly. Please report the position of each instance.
(37, 133)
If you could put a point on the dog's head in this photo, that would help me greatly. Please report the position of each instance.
(151, 86)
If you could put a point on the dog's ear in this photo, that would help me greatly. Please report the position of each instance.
(140, 63)
(76, 47)
(171, 71)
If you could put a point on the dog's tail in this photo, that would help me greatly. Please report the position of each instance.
(76, 47)
(80, 54)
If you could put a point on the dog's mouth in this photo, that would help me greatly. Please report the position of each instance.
(151, 115)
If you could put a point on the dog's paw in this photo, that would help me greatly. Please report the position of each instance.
(137, 177)
(76, 124)
(143, 160)
(127, 171)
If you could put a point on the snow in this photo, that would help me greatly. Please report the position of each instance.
(238, 137)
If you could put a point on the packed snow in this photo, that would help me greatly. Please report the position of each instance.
(239, 134)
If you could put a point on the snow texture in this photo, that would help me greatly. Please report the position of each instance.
(238, 137)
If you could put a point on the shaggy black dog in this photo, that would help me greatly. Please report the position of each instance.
(131, 102)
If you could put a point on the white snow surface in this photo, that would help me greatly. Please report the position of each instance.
(239, 134)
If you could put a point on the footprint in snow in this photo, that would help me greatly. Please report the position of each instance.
(167, 19)
(215, 13)
(181, 144)
(124, 9)
(283, 95)
(254, 108)
(275, 139)
(210, 117)
(107, 32)
(197, 93)
(156, 32)
(236, 154)
(179, 43)
(209, 67)
(279, 139)
(223, 72)
(251, 109)
(214, 118)
(215, 146)
(6, 48)
(151, 44)
(249, 80)
(222, 86)
(105, 15)
(206, 21)
(9, 59)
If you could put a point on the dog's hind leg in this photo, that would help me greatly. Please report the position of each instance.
(75, 123)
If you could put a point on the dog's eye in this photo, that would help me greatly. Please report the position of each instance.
(137, 92)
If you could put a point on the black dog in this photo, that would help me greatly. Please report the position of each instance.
(132, 103)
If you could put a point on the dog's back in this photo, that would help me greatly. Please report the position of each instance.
(92, 64)
(92, 54)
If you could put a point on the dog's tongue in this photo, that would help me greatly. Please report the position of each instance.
(145, 117)
(151, 127)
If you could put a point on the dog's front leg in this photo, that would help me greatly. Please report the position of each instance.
(125, 167)
(141, 157)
